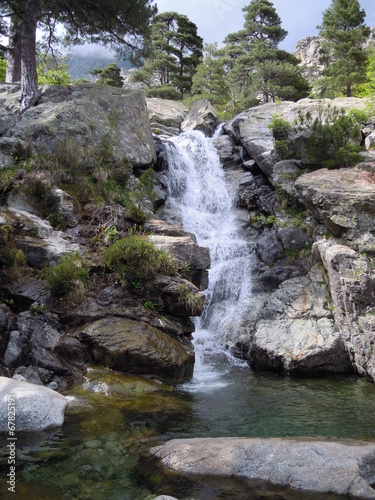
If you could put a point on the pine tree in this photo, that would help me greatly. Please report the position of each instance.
(118, 23)
(174, 53)
(111, 75)
(344, 33)
(260, 71)
(210, 77)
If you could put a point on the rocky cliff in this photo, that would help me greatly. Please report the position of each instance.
(70, 191)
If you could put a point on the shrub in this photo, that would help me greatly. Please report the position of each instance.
(280, 131)
(135, 260)
(330, 144)
(164, 92)
(70, 273)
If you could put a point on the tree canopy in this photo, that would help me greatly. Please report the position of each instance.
(259, 70)
(174, 53)
(111, 75)
(344, 33)
(118, 23)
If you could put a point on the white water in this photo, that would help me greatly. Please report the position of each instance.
(199, 193)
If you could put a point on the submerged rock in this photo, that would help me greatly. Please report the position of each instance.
(303, 464)
(36, 407)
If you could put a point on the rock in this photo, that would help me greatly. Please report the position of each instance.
(295, 332)
(201, 117)
(268, 247)
(86, 113)
(14, 348)
(370, 141)
(66, 207)
(284, 175)
(187, 252)
(165, 115)
(230, 155)
(343, 200)
(307, 51)
(136, 347)
(305, 465)
(36, 408)
(352, 288)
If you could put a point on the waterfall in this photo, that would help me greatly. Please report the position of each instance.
(199, 193)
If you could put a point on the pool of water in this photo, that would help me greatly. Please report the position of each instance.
(94, 454)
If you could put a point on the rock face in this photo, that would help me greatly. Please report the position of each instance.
(36, 408)
(165, 115)
(342, 200)
(201, 117)
(84, 113)
(304, 465)
(136, 347)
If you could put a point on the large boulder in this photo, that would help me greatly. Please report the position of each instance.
(83, 113)
(165, 115)
(203, 117)
(304, 465)
(35, 408)
(295, 331)
(343, 200)
(136, 347)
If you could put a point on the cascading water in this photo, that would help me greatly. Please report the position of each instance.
(199, 193)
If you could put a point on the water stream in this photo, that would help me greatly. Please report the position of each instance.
(199, 192)
(117, 417)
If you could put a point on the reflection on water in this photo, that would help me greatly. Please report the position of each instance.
(93, 456)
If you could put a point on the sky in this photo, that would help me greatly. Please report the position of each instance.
(216, 18)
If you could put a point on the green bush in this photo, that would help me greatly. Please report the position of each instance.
(330, 144)
(136, 261)
(280, 131)
(70, 273)
(164, 92)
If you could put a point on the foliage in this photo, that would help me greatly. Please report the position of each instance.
(135, 260)
(191, 301)
(174, 53)
(164, 92)
(52, 71)
(70, 272)
(87, 172)
(45, 201)
(3, 69)
(111, 75)
(280, 130)
(144, 190)
(257, 69)
(209, 80)
(12, 260)
(344, 33)
(330, 144)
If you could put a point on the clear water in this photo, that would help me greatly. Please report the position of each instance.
(115, 418)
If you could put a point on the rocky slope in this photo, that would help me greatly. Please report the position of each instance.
(69, 167)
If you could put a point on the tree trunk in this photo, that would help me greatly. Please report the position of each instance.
(13, 73)
(30, 94)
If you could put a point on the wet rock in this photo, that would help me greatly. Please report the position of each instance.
(66, 207)
(268, 247)
(229, 154)
(136, 347)
(305, 465)
(203, 117)
(37, 408)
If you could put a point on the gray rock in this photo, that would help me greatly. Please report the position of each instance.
(306, 465)
(136, 347)
(268, 247)
(343, 200)
(165, 115)
(66, 207)
(36, 408)
(86, 113)
(201, 117)
(14, 348)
